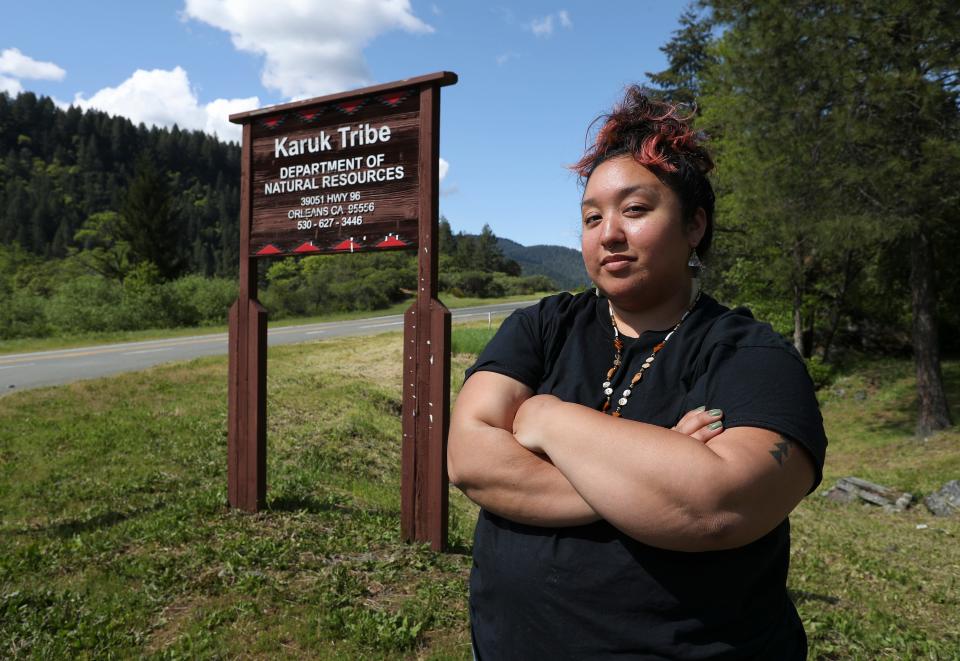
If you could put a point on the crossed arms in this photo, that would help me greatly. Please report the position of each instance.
(544, 462)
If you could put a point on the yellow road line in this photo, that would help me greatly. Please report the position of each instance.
(95, 352)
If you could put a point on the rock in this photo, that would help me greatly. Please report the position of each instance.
(850, 489)
(839, 495)
(945, 502)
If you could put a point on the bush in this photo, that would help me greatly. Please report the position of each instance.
(530, 284)
(22, 315)
(472, 283)
(201, 301)
(93, 303)
(84, 304)
(821, 373)
(146, 303)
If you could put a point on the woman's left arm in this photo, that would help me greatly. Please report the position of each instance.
(665, 488)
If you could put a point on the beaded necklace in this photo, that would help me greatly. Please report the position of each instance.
(617, 360)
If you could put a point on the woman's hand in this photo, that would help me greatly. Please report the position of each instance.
(701, 424)
(531, 420)
(534, 415)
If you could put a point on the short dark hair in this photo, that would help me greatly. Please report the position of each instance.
(658, 136)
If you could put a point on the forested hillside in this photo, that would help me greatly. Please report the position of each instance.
(108, 226)
(59, 169)
(562, 265)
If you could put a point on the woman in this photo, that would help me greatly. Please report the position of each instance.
(612, 523)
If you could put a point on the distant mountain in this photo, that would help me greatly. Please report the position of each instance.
(562, 265)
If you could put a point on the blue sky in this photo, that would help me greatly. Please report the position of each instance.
(533, 75)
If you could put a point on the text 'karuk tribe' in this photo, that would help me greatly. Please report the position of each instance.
(342, 138)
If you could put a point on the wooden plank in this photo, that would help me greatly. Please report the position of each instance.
(248, 268)
(408, 471)
(255, 469)
(246, 417)
(430, 485)
(440, 79)
(439, 426)
(234, 393)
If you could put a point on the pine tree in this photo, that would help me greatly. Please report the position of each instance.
(149, 223)
(688, 54)
(837, 124)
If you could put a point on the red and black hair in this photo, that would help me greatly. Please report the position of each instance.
(657, 135)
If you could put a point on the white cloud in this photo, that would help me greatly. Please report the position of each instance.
(311, 47)
(444, 168)
(218, 111)
(11, 86)
(543, 26)
(503, 58)
(164, 98)
(17, 65)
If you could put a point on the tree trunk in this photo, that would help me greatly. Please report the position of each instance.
(934, 413)
(798, 319)
(798, 299)
(837, 306)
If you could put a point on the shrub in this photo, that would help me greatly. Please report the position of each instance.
(84, 304)
(146, 303)
(201, 301)
(529, 284)
(22, 315)
(820, 372)
(473, 283)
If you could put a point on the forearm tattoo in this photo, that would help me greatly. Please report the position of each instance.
(781, 450)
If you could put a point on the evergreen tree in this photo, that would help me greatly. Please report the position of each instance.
(446, 240)
(149, 223)
(837, 134)
(59, 167)
(688, 54)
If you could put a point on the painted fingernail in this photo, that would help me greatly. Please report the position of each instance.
(715, 425)
(716, 413)
(699, 409)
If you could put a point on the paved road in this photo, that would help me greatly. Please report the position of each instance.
(46, 368)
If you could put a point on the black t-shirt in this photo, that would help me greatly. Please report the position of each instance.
(592, 592)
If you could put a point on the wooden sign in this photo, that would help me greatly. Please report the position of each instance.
(337, 176)
(357, 171)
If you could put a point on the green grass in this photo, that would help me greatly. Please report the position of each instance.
(117, 541)
(29, 344)
(472, 339)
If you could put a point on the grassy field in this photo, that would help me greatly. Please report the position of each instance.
(117, 543)
(24, 345)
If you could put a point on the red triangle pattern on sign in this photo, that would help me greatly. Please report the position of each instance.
(307, 246)
(347, 244)
(309, 116)
(269, 249)
(394, 98)
(351, 107)
(391, 241)
(272, 122)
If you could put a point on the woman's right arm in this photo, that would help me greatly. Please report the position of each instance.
(485, 461)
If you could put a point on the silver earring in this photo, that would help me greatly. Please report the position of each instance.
(694, 261)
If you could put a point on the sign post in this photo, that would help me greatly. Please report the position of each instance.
(349, 172)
